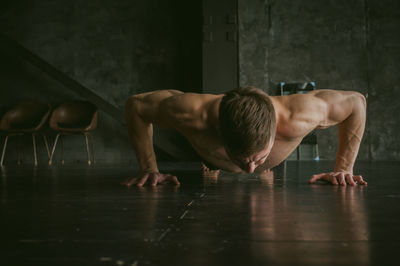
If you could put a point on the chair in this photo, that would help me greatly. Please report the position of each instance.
(74, 117)
(300, 88)
(27, 117)
(3, 110)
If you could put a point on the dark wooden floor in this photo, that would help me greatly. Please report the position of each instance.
(79, 215)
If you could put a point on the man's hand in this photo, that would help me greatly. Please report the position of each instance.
(338, 178)
(151, 178)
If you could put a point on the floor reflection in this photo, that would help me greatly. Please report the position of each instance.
(312, 221)
(274, 218)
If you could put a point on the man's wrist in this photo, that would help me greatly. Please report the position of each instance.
(344, 164)
(149, 170)
(343, 169)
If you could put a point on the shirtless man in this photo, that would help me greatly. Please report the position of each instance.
(246, 130)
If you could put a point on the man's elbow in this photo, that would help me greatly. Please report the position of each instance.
(360, 100)
(131, 106)
(130, 102)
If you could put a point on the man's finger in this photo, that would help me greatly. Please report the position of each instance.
(315, 178)
(142, 181)
(170, 179)
(154, 180)
(204, 167)
(129, 182)
(174, 180)
(333, 180)
(360, 180)
(349, 180)
(341, 179)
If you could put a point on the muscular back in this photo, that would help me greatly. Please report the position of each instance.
(196, 117)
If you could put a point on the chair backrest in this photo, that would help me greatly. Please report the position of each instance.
(296, 87)
(79, 115)
(27, 115)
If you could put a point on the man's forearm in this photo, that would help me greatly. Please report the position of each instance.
(145, 151)
(350, 133)
(141, 136)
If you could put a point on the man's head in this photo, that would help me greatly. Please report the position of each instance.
(247, 122)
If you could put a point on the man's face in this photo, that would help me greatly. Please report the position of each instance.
(250, 163)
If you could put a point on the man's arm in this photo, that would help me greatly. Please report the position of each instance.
(347, 109)
(142, 111)
(350, 133)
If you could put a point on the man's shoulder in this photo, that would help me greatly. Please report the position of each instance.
(189, 101)
(305, 102)
(187, 110)
(300, 113)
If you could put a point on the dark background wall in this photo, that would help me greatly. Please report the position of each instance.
(119, 48)
(339, 44)
(113, 48)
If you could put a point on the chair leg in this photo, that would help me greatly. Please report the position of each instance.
(34, 149)
(87, 149)
(46, 145)
(316, 152)
(298, 153)
(92, 142)
(4, 151)
(62, 149)
(284, 169)
(54, 148)
(18, 152)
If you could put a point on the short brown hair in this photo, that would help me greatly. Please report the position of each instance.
(246, 120)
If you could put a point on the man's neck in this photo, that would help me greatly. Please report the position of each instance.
(213, 112)
(279, 112)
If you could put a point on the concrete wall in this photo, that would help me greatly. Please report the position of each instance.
(339, 44)
(114, 48)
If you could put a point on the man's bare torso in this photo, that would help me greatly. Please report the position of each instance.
(196, 117)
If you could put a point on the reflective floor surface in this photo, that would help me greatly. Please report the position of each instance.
(80, 215)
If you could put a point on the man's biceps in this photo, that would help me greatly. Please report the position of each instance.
(163, 119)
(328, 120)
(136, 107)
(149, 112)
(337, 113)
